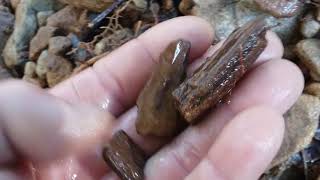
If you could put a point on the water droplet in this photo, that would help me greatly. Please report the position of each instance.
(105, 104)
(74, 177)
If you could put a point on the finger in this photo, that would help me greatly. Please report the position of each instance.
(116, 80)
(10, 175)
(265, 85)
(41, 127)
(245, 147)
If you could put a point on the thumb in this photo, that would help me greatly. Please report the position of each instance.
(41, 127)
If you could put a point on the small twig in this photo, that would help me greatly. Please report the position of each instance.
(97, 21)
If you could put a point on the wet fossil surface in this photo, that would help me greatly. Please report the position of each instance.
(220, 73)
(125, 158)
(157, 114)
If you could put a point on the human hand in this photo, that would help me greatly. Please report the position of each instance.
(57, 135)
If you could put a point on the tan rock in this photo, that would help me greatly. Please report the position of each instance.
(313, 89)
(41, 41)
(58, 69)
(96, 6)
(301, 124)
(70, 19)
(309, 53)
(42, 67)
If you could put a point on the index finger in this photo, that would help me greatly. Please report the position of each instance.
(116, 80)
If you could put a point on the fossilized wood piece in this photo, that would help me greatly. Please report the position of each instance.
(125, 158)
(219, 74)
(157, 113)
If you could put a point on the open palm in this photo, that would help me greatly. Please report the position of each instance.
(60, 134)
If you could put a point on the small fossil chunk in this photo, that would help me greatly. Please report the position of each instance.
(219, 74)
(157, 114)
(280, 8)
(125, 158)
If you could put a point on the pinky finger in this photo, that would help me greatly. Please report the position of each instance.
(245, 147)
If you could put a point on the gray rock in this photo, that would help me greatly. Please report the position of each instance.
(25, 28)
(310, 27)
(59, 45)
(6, 27)
(309, 53)
(5, 3)
(301, 124)
(30, 69)
(227, 15)
(41, 41)
(42, 17)
(41, 68)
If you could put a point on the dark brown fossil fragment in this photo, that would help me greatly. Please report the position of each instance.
(219, 74)
(157, 114)
(124, 157)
